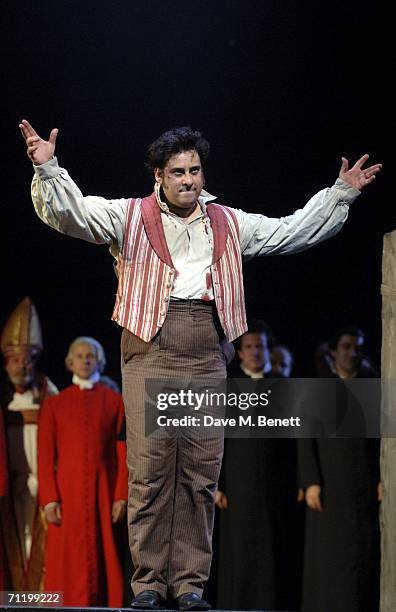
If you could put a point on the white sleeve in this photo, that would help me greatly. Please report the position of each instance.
(60, 204)
(322, 217)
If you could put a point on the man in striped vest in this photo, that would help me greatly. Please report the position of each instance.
(180, 301)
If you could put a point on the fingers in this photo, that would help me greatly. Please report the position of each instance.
(224, 502)
(369, 180)
(54, 515)
(118, 511)
(370, 173)
(31, 136)
(53, 135)
(32, 142)
(344, 165)
(372, 170)
(361, 161)
(31, 150)
(314, 503)
(312, 496)
(117, 514)
(26, 129)
(221, 500)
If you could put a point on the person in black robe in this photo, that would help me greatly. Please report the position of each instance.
(259, 561)
(341, 482)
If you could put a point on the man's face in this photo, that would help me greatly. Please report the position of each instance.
(181, 181)
(281, 361)
(83, 362)
(254, 353)
(19, 365)
(348, 354)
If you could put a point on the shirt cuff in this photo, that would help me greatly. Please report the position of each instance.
(48, 170)
(350, 193)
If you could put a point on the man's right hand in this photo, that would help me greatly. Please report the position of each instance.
(38, 150)
(53, 513)
(312, 498)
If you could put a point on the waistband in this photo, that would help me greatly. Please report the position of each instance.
(208, 305)
(180, 301)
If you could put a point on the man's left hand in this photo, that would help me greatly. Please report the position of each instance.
(358, 176)
(118, 510)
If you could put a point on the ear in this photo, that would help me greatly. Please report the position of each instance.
(158, 174)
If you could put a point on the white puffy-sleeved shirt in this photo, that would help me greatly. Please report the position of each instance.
(60, 204)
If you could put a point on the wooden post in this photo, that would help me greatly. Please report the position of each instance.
(388, 411)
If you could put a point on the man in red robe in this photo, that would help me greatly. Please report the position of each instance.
(83, 483)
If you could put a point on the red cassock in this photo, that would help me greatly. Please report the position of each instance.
(3, 491)
(82, 465)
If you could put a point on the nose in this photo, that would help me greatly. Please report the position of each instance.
(187, 179)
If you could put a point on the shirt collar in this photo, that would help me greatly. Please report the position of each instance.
(86, 383)
(204, 198)
(259, 374)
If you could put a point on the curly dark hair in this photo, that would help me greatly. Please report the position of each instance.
(176, 141)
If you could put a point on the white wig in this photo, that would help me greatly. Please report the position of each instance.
(98, 348)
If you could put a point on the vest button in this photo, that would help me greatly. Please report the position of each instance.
(169, 285)
(166, 299)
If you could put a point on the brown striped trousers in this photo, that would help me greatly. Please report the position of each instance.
(172, 478)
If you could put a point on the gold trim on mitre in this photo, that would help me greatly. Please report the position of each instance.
(23, 329)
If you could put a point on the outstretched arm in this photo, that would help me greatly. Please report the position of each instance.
(59, 202)
(322, 217)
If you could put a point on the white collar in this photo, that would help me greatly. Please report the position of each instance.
(86, 383)
(251, 374)
(23, 401)
(260, 374)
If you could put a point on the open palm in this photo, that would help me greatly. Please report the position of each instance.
(38, 150)
(357, 176)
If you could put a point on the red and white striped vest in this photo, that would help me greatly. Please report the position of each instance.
(146, 271)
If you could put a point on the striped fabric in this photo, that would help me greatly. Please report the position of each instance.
(146, 271)
(172, 475)
(228, 278)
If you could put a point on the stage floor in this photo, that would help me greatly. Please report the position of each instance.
(78, 609)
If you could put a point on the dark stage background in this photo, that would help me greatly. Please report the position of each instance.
(280, 89)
